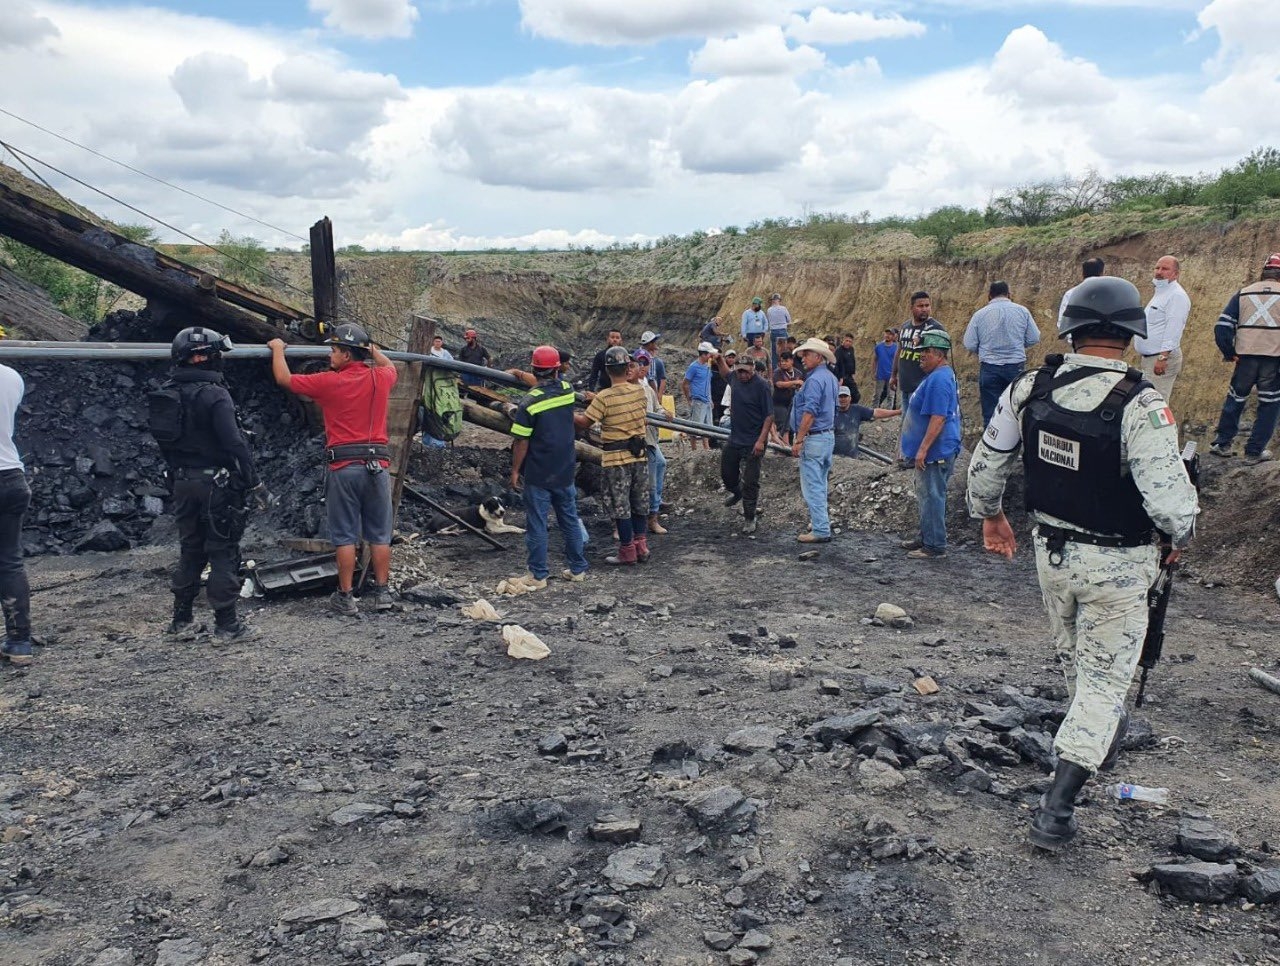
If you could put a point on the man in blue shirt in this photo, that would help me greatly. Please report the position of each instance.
(696, 387)
(542, 425)
(931, 438)
(754, 320)
(813, 417)
(999, 333)
(886, 352)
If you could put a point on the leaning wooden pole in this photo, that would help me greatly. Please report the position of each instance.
(475, 413)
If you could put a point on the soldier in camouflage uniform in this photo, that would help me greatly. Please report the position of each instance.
(1100, 450)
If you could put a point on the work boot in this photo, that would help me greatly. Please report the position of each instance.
(749, 526)
(1113, 749)
(341, 602)
(569, 575)
(18, 652)
(733, 497)
(1055, 823)
(1223, 450)
(812, 537)
(625, 555)
(915, 543)
(642, 548)
(1253, 459)
(529, 582)
(227, 627)
(381, 597)
(183, 619)
(655, 526)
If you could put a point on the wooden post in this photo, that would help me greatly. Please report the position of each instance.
(402, 408)
(324, 273)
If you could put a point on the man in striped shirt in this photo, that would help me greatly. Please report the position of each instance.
(620, 411)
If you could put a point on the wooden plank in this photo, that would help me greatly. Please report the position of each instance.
(324, 272)
(402, 409)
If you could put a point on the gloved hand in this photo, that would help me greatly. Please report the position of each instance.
(261, 496)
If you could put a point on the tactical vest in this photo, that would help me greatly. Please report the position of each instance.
(1072, 459)
(1258, 328)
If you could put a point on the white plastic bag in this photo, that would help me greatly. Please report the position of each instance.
(524, 644)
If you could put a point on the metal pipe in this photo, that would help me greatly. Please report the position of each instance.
(159, 351)
(684, 425)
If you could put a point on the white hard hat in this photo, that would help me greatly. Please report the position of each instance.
(706, 347)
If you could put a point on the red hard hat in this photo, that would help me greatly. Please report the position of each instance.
(1273, 261)
(546, 357)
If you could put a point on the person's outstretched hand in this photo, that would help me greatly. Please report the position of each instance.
(997, 536)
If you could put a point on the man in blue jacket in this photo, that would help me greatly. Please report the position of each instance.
(931, 438)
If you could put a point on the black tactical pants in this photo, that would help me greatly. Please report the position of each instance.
(211, 521)
(740, 473)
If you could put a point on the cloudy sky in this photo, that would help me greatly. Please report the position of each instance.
(473, 123)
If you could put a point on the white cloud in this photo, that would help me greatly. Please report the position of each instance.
(368, 18)
(438, 236)
(741, 126)
(569, 140)
(827, 28)
(642, 21)
(756, 53)
(21, 26)
(1034, 70)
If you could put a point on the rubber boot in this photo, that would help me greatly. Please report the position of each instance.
(1055, 824)
(625, 555)
(655, 526)
(642, 548)
(1113, 749)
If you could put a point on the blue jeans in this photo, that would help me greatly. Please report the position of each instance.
(931, 492)
(537, 506)
(776, 336)
(815, 467)
(992, 381)
(1250, 371)
(657, 477)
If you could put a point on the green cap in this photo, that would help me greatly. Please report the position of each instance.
(935, 339)
(757, 301)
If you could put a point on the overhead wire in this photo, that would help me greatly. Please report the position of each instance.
(158, 180)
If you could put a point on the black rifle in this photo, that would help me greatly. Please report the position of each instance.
(1160, 592)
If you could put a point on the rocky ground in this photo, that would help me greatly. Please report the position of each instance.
(725, 759)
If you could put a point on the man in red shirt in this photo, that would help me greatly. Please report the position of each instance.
(353, 397)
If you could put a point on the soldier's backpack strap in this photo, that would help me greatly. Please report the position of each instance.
(1134, 382)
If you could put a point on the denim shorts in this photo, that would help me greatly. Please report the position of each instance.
(359, 505)
(700, 411)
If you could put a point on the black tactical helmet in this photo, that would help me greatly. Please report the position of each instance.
(197, 341)
(349, 335)
(616, 357)
(1108, 305)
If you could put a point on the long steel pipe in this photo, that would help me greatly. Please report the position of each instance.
(158, 351)
(719, 432)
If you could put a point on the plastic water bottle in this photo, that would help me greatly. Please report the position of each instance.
(1139, 793)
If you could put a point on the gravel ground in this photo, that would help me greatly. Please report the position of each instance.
(667, 787)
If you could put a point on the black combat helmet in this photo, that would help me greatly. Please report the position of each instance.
(196, 341)
(1108, 307)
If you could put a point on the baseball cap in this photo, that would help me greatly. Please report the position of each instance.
(642, 357)
(775, 296)
(649, 336)
(757, 301)
(846, 391)
(706, 347)
(745, 362)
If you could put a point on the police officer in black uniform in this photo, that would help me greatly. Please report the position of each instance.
(194, 420)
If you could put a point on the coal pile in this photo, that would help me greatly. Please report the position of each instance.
(97, 477)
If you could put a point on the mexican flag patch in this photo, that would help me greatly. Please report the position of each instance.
(1163, 418)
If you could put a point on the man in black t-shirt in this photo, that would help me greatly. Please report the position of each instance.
(907, 374)
(750, 420)
(474, 353)
(786, 380)
(599, 379)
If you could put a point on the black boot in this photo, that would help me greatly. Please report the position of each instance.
(1113, 750)
(1055, 824)
(227, 627)
(183, 618)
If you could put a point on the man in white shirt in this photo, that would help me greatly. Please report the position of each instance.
(15, 496)
(1167, 314)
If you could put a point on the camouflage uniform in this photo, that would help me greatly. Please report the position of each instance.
(1096, 596)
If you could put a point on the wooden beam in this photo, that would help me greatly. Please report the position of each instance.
(402, 415)
(324, 273)
(133, 266)
(480, 416)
